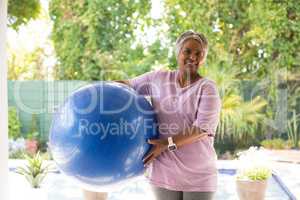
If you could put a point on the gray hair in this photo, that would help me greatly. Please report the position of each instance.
(191, 35)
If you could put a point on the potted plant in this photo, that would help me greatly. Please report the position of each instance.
(253, 174)
(34, 172)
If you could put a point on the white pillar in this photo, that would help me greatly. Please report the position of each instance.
(3, 104)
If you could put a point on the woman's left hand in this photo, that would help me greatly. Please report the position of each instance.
(159, 146)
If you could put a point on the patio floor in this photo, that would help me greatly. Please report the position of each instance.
(289, 156)
(58, 187)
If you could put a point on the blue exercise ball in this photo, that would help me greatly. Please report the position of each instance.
(99, 135)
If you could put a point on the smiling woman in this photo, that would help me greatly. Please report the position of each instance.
(3, 105)
(187, 107)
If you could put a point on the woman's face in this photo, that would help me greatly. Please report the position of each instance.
(190, 57)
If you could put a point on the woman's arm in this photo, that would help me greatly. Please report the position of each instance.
(207, 118)
(187, 136)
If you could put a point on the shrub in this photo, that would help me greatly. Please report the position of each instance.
(14, 124)
(289, 144)
(274, 144)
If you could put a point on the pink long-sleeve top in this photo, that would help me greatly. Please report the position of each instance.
(193, 166)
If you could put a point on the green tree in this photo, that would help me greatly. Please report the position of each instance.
(22, 11)
(257, 39)
(249, 35)
(30, 63)
(249, 40)
(26, 65)
(16, 67)
(94, 39)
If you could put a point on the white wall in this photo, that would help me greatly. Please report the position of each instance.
(3, 105)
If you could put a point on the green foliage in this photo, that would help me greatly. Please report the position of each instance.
(240, 119)
(19, 154)
(95, 39)
(16, 67)
(21, 11)
(255, 174)
(248, 40)
(26, 66)
(249, 36)
(293, 86)
(35, 171)
(289, 144)
(32, 135)
(293, 129)
(14, 124)
(275, 144)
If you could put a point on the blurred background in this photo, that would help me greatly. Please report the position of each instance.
(55, 46)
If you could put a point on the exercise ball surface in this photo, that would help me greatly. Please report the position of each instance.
(98, 136)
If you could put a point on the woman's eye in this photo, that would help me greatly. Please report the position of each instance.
(199, 54)
(187, 51)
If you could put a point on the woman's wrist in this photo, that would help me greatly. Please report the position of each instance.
(164, 145)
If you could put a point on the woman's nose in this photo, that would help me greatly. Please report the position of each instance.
(193, 57)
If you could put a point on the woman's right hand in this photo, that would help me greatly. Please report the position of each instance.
(159, 146)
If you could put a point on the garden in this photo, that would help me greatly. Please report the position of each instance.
(253, 58)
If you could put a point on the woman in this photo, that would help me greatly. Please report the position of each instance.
(182, 163)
